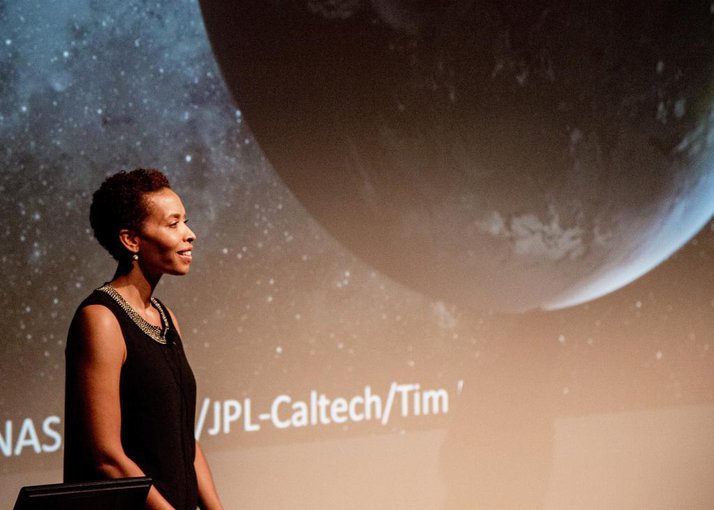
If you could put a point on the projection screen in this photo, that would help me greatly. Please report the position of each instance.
(451, 255)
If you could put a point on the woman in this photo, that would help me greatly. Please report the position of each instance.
(130, 394)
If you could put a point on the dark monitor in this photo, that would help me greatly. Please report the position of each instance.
(115, 494)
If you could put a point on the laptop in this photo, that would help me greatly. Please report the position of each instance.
(114, 494)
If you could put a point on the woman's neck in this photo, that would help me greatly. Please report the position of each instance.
(135, 286)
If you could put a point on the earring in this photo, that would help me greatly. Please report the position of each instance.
(135, 256)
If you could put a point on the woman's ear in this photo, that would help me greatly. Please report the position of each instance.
(129, 239)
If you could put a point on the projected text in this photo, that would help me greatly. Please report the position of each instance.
(320, 409)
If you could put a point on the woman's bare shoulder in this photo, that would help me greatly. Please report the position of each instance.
(96, 329)
(97, 317)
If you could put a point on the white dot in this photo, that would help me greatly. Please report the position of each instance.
(8, 42)
(561, 339)
(638, 304)
(188, 158)
(65, 54)
(279, 349)
(658, 355)
(23, 109)
(99, 111)
(680, 108)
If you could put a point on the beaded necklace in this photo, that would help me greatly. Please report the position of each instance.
(156, 333)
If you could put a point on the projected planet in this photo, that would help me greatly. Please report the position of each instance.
(500, 155)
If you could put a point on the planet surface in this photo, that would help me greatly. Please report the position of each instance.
(500, 155)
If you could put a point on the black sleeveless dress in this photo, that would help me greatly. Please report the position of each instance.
(158, 405)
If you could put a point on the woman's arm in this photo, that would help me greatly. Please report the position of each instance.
(207, 494)
(95, 364)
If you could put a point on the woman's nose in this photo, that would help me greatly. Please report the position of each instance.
(190, 236)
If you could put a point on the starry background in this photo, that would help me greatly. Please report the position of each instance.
(274, 304)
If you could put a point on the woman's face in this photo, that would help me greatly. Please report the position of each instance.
(165, 239)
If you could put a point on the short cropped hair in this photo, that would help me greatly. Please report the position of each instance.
(120, 203)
